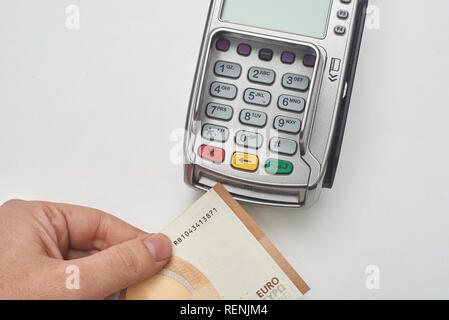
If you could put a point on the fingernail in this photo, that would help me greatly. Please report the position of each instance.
(159, 246)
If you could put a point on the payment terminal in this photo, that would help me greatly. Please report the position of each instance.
(270, 98)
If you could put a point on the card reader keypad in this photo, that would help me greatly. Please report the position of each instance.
(254, 108)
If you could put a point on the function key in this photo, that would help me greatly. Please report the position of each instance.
(244, 49)
(213, 154)
(249, 139)
(288, 125)
(228, 69)
(343, 14)
(266, 54)
(215, 133)
(309, 61)
(295, 82)
(278, 167)
(288, 57)
(340, 30)
(245, 161)
(291, 103)
(261, 75)
(257, 97)
(223, 45)
(219, 111)
(223, 90)
(283, 146)
(253, 118)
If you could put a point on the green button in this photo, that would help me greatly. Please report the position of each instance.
(275, 166)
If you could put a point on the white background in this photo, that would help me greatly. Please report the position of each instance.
(86, 118)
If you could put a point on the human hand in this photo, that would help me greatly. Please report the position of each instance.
(40, 240)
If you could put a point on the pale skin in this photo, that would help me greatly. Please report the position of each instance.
(39, 240)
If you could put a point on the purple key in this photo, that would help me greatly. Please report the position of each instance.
(309, 61)
(223, 45)
(244, 50)
(288, 57)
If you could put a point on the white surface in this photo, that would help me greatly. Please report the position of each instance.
(86, 118)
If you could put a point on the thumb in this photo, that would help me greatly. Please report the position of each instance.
(123, 265)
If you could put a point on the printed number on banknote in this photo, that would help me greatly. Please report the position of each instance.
(195, 226)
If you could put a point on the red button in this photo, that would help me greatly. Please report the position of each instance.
(211, 153)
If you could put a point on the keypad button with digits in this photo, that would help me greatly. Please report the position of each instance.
(253, 118)
(228, 69)
(223, 90)
(219, 111)
(295, 82)
(291, 103)
(249, 139)
(257, 99)
(286, 124)
(261, 75)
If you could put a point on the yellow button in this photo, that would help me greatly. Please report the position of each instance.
(245, 161)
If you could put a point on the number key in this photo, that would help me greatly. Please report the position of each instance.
(249, 139)
(219, 111)
(291, 103)
(253, 118)
(228, 69)
(257, 97)
(295, 82)
(286, 124)
(223, 90)
(261, 75)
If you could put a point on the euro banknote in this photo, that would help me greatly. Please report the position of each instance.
(219, 253)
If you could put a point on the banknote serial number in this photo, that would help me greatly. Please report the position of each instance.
(208, 216)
